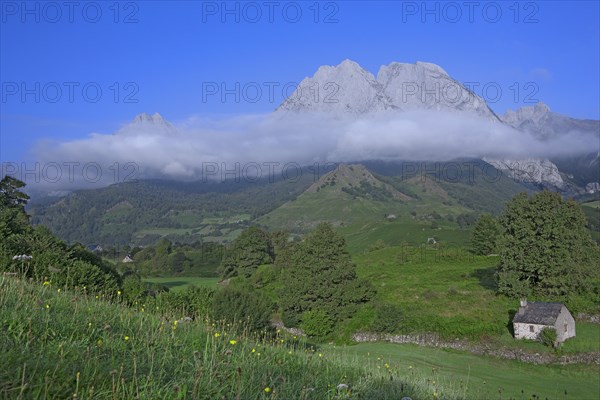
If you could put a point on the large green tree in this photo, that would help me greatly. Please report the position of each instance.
(485, 235)
(320, 275)
(545, 249)
(250, 250)
(11, 195)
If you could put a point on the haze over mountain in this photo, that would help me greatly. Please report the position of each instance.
(343, 114)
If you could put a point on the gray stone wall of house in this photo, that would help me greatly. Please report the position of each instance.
(565, 325)
(527, 331)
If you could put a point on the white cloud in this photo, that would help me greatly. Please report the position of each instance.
(302, 139)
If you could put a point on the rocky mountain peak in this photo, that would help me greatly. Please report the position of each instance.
(350, 89)
(155, 118)
(145, 123)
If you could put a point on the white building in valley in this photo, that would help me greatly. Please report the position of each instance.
(535, 316)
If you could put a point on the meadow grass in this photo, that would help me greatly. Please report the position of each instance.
(483, 377)
(451, 292)
(63, 344)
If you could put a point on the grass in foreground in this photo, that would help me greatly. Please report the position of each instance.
(482, 377)
(61, 344)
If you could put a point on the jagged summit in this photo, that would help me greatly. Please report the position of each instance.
(533, 113)
(541, 122)
(350, 89)
(155, 118)
(147, 124)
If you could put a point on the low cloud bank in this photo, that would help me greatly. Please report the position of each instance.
(147, 151)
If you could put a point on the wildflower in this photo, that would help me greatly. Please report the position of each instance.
(232, 342)
(387, 365)
(99, 342)
(58, 290)
(46, 283)
(320, 354)
(118, 292)
(258, 354)
(47, 305)
(217, 334)
(126, 338)
(89, 324)
(282, 340)
(254, 350)
(410, 367)
(267, 389)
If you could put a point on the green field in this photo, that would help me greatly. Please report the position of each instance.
(180, 283)
(593, 204)
(482, 377)
(449, 291)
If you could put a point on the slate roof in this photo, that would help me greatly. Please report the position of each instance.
(539, 313)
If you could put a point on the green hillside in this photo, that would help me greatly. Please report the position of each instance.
(144, 211)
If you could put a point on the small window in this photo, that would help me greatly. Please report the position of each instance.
(530, 328)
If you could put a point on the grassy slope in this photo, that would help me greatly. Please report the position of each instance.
(66, 345)
(362, 220)
(448, 291)
(485, 377)
(55, 345)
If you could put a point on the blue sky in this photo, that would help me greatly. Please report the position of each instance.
(152, 56)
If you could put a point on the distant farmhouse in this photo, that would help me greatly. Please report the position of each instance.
(127, 259)
(535, 316)
(95, 248)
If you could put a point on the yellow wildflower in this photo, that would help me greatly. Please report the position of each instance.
(46, 283)
(267, 389)
(126, 338)
(232, 342)
(217, 334)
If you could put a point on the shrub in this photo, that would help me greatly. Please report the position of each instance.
(317, 323)
(388, 318)
(548, 337)
(192, 302)
(237, 305)
(133, 289)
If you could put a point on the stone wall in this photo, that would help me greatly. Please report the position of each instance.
(432, 340)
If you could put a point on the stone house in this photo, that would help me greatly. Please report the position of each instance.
(532, 317)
